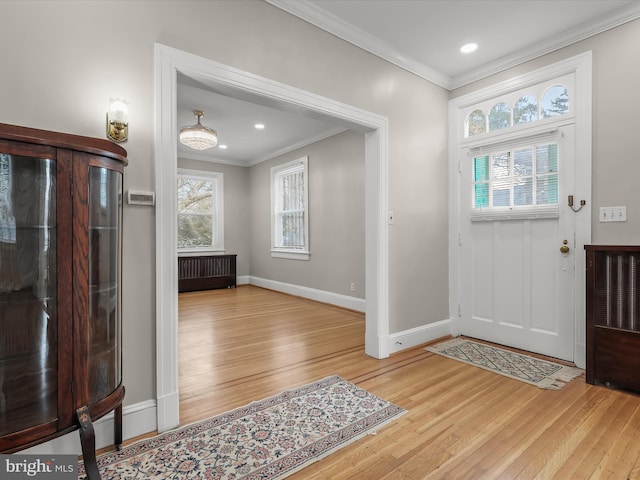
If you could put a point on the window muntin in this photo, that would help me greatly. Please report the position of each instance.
(513, 178)
(200, 211)
(290, 224)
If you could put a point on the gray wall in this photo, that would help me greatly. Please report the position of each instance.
(336, 218)
(236, 208)
(62, 60)
(616, 164)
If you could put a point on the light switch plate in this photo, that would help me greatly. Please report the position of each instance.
(613, 214)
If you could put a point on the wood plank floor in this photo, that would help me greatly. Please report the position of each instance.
(244, 344)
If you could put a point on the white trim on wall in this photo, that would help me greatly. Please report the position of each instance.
(168, 62)
(337, 299)
(419, 335)
(581, 67)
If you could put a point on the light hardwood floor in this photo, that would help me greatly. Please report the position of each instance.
(245, 344)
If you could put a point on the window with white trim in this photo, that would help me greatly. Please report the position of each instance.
(290, 210)
(516, 179)
(200, 211)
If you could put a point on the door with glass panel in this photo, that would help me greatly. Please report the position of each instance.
(516, 243)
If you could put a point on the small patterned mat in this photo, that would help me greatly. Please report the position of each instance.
(541, 373)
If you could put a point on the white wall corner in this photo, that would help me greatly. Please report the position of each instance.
(137, 419)
(580, 355)
(419, 335)
(170, 405)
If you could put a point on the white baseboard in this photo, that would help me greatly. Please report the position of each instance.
(242, 280)
(137, 419)
(419, 335)
(344, 301)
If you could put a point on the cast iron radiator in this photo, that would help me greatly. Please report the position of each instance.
(206, 272)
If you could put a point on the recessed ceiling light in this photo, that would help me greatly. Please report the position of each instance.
(222, 147)
(469, 47)
(259, 126)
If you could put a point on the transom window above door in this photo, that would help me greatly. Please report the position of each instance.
(525, 106)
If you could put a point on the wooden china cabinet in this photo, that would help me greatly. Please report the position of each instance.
(60, 287)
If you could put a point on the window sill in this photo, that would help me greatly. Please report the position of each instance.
(290, 254)
(194, 252)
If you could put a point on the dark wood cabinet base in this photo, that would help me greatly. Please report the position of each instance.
(613, 316)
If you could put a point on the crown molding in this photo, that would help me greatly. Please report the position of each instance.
(318, 17)
(203, 157)
(581, 32)
(346, 31)
(295, 146)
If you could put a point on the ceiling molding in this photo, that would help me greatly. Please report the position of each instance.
(346, 31)
(616, 18)
(203, 157)
(291, 148)
(315, 15)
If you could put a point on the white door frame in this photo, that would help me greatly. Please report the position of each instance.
(581, 67)
(168, 62)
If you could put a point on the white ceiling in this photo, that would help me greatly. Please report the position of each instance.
(421, 36)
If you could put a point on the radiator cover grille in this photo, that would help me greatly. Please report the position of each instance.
(206, 272)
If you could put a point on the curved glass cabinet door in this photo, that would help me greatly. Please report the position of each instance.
(28, 317)
(105, 244)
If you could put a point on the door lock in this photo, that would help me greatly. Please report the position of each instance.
(564, 248)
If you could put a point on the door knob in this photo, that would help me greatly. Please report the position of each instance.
(564, 248)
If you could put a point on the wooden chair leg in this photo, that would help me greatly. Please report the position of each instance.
(88, 442)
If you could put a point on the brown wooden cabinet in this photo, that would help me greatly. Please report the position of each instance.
(60, 287)
(613, 316)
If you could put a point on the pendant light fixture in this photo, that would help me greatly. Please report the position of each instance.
(198, 136)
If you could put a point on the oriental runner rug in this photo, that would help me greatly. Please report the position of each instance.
(269, 439)
(535, 371)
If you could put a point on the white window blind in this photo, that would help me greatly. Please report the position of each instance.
(516, 179)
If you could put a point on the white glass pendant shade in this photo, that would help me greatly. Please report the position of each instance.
(198, 136)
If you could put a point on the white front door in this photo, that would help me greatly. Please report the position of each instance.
(516, 285)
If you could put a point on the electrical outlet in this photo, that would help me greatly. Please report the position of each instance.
(353, 287)
(613, 214)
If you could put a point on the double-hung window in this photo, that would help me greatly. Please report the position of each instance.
(200, 211)
(290, 210)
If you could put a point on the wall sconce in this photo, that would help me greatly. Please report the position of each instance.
(118, 120)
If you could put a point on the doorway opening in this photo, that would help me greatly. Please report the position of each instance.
(169, 62)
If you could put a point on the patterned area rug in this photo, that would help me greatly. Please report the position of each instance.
(269, 439)
(534, 371)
